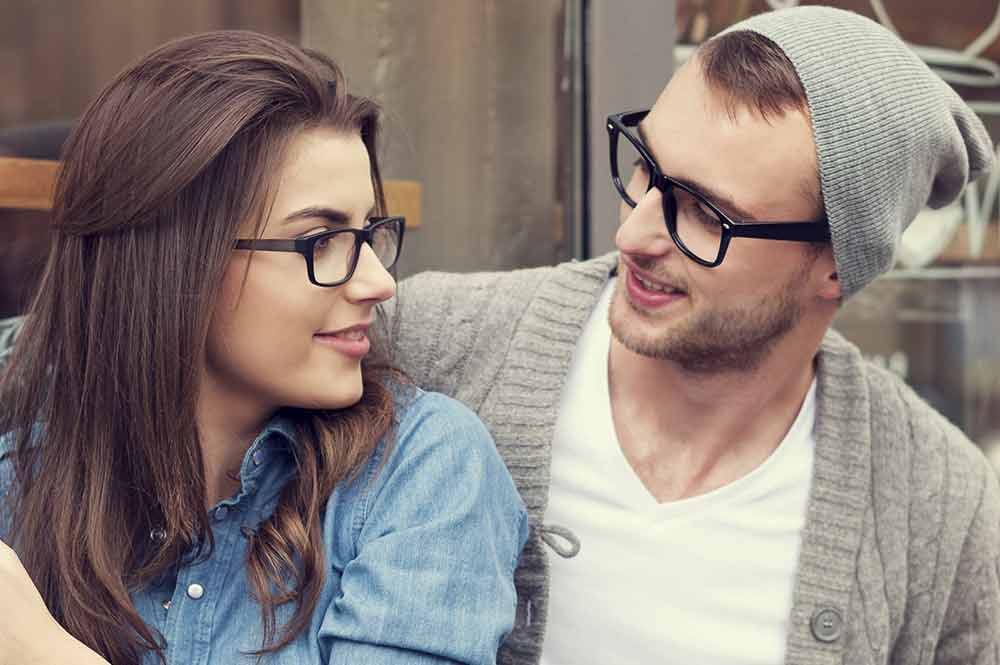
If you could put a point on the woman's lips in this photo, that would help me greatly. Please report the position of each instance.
(351, 342)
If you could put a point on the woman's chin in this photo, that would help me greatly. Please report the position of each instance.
(345, 395)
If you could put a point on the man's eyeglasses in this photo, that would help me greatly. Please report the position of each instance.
(698, 227)
(332, 256)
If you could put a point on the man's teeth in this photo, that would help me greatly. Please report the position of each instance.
(650, 286)
(355, 335)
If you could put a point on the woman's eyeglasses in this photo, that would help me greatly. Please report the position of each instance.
(332, 256)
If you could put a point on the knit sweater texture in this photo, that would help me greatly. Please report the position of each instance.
(900, 549)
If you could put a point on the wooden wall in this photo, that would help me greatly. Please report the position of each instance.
(56, 55)
(471, 93)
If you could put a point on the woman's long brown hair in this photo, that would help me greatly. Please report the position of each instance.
(99, 396)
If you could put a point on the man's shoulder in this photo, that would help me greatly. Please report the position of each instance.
(912, 443)
(453, 332)
(930, 436)
(431, 306)
(517, 284)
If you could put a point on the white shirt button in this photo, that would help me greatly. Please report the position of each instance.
(166, 604)
(257, 457)
(196, 591)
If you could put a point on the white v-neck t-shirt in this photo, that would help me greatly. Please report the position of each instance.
(705, 580)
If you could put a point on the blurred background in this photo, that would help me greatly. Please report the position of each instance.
(497, 108)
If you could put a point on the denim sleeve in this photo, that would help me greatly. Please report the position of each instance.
(438, 535)
(8, 334)
(6, 483)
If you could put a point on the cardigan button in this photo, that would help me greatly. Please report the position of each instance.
(827, 625)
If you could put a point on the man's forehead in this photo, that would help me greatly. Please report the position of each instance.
(695, 137)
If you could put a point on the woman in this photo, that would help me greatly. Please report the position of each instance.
(202, 466)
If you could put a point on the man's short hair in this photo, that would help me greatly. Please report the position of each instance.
(749, 70)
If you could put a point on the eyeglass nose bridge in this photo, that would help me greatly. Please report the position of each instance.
(365, 242)
(666, 188)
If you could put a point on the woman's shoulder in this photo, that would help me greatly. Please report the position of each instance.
(427, 414)
(438, 465)
(435, 444)
(441, 434)
(431, 538)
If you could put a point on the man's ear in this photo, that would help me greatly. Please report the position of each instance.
(825, 272)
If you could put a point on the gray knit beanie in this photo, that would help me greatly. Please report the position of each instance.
(891, 136)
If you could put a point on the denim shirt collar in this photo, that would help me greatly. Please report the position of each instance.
(267, 464)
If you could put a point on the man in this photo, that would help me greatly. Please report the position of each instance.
(725, 479)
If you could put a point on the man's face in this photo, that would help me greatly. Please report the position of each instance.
(724, 318)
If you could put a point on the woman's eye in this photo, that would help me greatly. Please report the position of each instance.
(310, 233)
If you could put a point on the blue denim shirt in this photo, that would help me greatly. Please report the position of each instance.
(421, 549)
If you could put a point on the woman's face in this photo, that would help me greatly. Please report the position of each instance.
(278, 340)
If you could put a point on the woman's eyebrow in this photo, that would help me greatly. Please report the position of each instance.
(331, 215)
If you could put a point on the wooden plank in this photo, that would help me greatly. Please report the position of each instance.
(27, 184)
(404, 197)
(959, 252)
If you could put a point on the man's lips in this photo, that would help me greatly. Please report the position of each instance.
(647, 292)
(650, 283)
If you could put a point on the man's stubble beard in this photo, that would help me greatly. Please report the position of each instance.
(713, 341)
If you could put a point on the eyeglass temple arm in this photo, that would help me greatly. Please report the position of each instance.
(269, 245)
(796, 231)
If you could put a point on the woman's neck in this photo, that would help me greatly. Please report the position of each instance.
(227, 426)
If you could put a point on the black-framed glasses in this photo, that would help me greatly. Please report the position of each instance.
(332, 256)
(697, 226)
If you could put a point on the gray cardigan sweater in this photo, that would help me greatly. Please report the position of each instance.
(900, 550)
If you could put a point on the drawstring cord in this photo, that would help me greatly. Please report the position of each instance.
(562, 541)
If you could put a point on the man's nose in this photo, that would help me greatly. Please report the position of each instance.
(643, 229)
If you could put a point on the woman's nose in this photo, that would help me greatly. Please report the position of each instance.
(371, 281)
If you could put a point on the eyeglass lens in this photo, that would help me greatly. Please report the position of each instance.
(335, 256)
(694, 224)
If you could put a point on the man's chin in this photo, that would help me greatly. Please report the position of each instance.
(643, 345)
(637, 331)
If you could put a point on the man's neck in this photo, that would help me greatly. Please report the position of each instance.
(687, 433)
